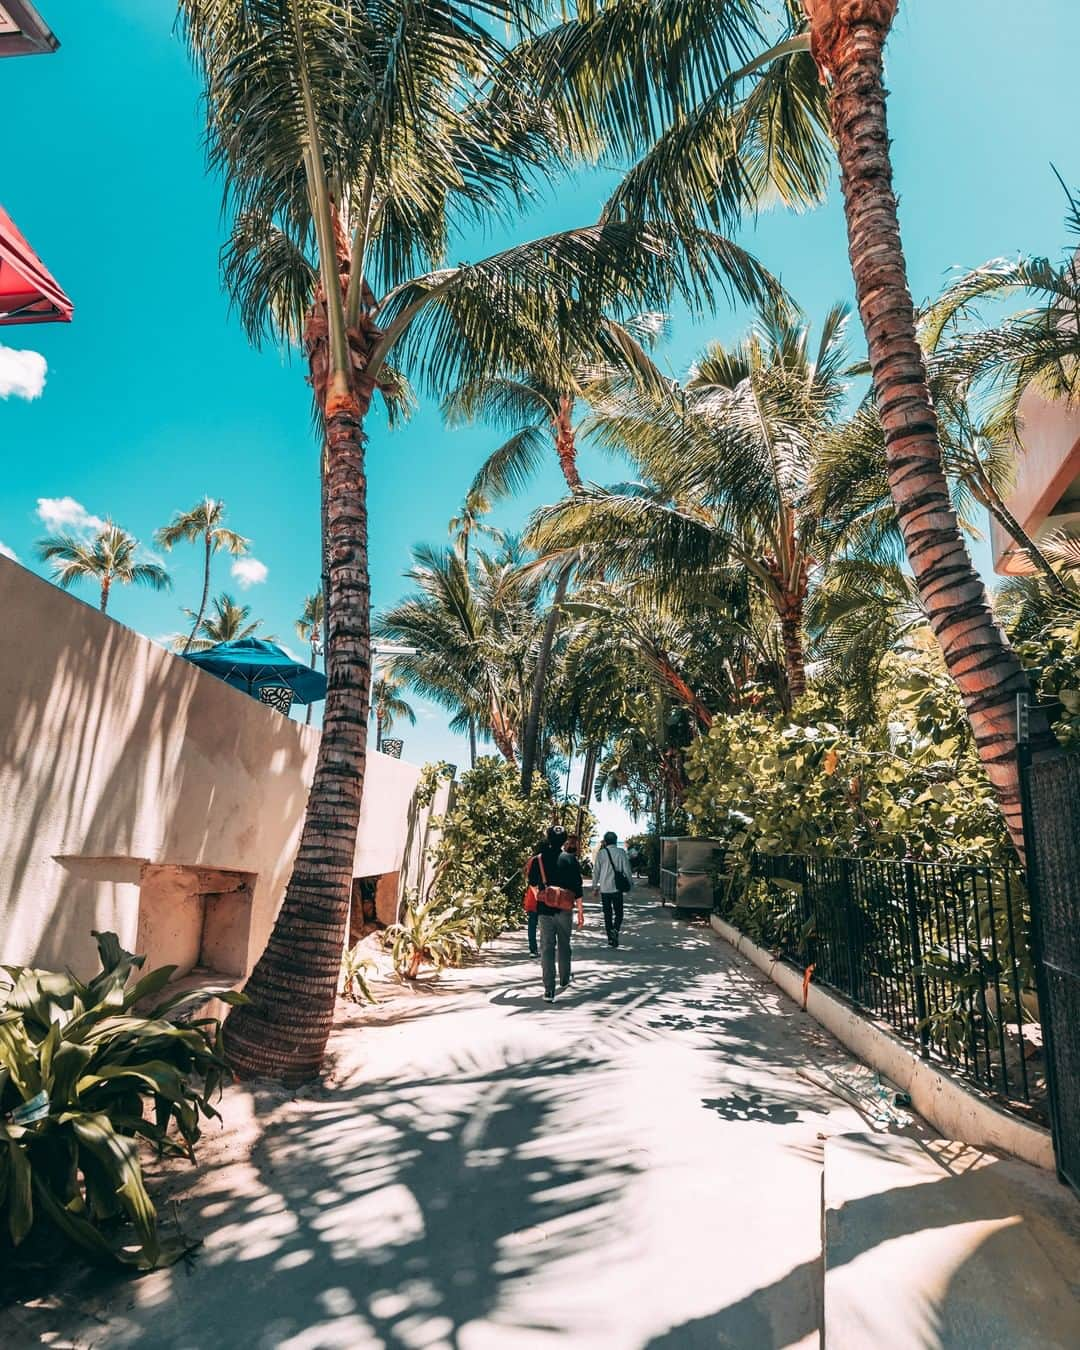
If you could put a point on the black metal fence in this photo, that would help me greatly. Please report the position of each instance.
(938, 951)
(1052, 828)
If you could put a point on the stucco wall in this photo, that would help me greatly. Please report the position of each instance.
(1047, 466)
(116, 754)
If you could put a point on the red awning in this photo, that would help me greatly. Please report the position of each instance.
(28, 294)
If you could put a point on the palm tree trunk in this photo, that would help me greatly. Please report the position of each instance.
(202, 603)
(378, 731)
(791, 637)
(847, 42)
(566, 449)
(536, 702)
(472, 742)
(307, 717)
(282, 1031)
(106, 583)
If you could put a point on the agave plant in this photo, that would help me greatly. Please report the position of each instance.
(79, 1065)
(431, 933)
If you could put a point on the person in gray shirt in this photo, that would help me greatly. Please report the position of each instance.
(612, 878)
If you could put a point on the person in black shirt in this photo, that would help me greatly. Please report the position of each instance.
(557, 874)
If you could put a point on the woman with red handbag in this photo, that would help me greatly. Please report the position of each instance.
(557, 876)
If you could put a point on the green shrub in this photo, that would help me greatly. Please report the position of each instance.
(429, 934)
(487, 837)
(84, 1076)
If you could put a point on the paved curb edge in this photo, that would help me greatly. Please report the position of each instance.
(955, 1110)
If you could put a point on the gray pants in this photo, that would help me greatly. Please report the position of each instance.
(555, 930)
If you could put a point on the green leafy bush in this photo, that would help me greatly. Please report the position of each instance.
(1054, 658)
(487, 837)
(429, 934)
(84, 1075)
(912, 788)
(353, 981)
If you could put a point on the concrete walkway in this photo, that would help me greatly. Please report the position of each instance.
(638, 1166)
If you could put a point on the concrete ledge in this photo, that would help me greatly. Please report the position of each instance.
(957, 1111)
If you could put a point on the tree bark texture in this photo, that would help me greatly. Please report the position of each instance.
(566, 449)
(979, 658)
(106, 583)
(282, 1031)
(205, 596)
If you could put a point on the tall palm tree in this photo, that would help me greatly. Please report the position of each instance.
(471, 630)
(727, 459)
(204, 521)
(387, 706)
(353, 135)
(110, 556)
(847, 40)
(227, 622)
(309, 629)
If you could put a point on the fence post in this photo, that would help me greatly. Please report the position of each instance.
(916, 958)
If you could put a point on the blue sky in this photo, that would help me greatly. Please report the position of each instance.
(153, 397)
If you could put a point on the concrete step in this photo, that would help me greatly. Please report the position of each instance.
(936, 1244)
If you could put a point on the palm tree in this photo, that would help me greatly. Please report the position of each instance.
(309, 629)
(204, 521)
(847, 40)
(537, 408)
(728, 460)
(228, 622)
(110, 556)
(387, 706)
(471, 630)
(352, 136)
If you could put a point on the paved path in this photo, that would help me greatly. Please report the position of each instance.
(637, 1166)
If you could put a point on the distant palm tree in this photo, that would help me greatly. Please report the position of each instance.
(309, 629)
(110, 556)
(387, 706)
(204, 522)
(228, 623)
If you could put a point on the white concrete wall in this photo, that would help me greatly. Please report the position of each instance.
(116, 754)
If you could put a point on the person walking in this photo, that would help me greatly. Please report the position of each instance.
(557, 876)
(612, 879)
(532, 919)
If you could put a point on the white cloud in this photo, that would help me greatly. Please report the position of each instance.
(22, 373)
(6, 552)
(249, 572)
(65, 513)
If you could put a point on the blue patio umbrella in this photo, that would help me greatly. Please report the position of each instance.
(252, 665)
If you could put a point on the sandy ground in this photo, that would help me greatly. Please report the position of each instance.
(639, 1165)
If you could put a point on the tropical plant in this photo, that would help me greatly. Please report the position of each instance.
(387, 706)
(309, 629)
(80, 1063)
(352, 135)
(353, 984)
(430, 933)
(469, 628)
(727, 459)
(110, 556)
(227, 622)
(205, 522)
(847, 41)
(483, 845)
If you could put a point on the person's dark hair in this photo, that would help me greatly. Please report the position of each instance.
(611, 837)
(571, 845)
(556, 836)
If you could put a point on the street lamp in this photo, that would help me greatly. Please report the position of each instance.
(23, 32)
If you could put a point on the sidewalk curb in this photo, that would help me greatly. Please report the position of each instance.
(955, 1110)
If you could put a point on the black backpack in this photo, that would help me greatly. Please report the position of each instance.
(622, 883)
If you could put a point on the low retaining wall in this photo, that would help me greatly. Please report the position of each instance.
(954, 1109)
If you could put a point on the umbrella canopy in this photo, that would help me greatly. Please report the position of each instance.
(251, 664)
(28, 294)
